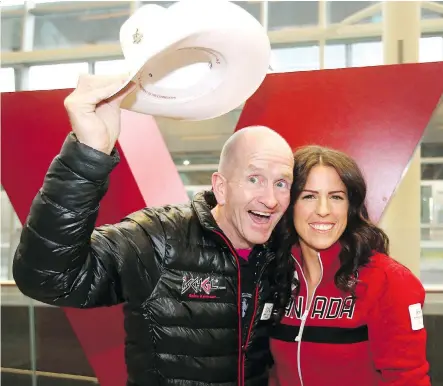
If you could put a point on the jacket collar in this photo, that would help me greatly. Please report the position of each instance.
(203, 202)
(329, 258)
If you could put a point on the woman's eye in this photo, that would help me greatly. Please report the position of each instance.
(254, 180)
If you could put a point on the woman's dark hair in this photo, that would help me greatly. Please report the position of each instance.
(360, 238)
(281, 277)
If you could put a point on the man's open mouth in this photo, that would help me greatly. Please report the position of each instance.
(259, 217)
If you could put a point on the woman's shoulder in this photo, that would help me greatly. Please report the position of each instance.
(384, 273)
(387, 265)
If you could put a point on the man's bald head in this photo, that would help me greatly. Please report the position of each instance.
(252, 185)
(248, 140)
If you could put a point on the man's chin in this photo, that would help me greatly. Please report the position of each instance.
(258, 239)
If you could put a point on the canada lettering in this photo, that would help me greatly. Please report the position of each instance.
(322, 308)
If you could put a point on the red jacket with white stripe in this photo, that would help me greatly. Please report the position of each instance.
(375, 340)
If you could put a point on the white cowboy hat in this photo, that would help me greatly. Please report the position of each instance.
(196, 60)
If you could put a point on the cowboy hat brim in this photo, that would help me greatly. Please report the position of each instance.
(199, 65)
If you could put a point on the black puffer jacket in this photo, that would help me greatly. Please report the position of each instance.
(157, 262)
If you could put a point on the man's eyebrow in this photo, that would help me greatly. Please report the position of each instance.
(288, 176)
(254, 169)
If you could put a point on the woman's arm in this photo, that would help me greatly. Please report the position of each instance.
(397, 335)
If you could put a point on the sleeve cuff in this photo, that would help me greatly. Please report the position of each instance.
(87, 162)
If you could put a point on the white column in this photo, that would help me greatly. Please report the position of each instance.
(401, 31)
(401, 220)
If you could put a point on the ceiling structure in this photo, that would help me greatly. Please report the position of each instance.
(51, 34)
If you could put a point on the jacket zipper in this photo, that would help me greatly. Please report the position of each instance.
(242, 347)
(254, 313)
(305, 315)
(240, 335)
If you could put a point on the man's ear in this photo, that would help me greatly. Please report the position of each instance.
(219, 186)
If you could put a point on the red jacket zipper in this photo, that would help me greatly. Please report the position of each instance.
(254, 313)
(249, 332)
(242, 347)
(240, 338)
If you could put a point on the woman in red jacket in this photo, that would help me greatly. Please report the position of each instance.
(355, 316)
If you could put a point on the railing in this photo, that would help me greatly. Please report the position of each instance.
(31, 373)
(7, 283)
(433, 289)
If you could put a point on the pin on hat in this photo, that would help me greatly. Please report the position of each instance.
(195, 60)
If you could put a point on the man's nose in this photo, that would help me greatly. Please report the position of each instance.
(268, 198)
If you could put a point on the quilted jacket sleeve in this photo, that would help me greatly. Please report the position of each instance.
(396, 332)
(62, 259)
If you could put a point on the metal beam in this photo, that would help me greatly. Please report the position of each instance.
(291, 35)
(362, 14)
(432, 6)
(334, 32)
(264, 14)
(80, 53)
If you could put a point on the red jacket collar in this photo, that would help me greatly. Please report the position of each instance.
(329, 258)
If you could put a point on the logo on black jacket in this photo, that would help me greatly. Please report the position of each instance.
(203, 286)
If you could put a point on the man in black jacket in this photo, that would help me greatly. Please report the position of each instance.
(197, 280)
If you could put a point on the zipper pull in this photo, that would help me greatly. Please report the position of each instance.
(302, 324)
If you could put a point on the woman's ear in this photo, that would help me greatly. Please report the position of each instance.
(219, 186)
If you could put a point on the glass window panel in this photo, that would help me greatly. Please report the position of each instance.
(78, 23)
(425, 232)
(366, 54)
(15, 334)
(431, 49)
(428, 14)
(434, 149)
(110, 67)
(431, 263)
(7, 79)
(426, 204)
(11, 31)
(337, 11)
(292, 13)
(437, 195)
(10, 235)
(295, 59)
(55, 76)
(432, 171)
(432, 232)
(335, 56)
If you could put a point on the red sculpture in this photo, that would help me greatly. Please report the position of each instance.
(376, 114)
